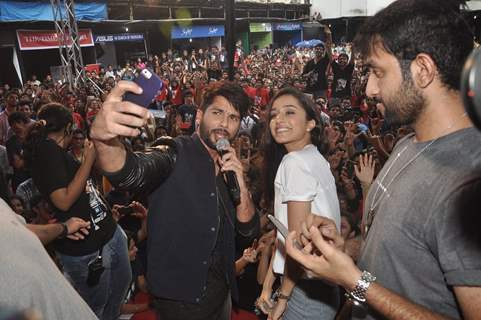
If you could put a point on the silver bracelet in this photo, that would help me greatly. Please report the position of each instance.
(358, 295)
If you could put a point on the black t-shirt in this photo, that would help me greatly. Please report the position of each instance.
(342, 80)
(317, 79)
(52, 169)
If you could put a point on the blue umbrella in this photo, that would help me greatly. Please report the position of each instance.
(314, 42)
(301, 44)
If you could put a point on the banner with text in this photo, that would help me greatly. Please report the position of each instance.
(123, 37)
(197, 32)
(45, 39)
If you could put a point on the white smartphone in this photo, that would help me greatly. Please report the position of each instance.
(282, 229)
(279, 225)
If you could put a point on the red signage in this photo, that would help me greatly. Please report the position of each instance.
(41, 39)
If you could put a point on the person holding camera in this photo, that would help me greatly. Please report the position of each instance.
(315, 71)
(98, 265)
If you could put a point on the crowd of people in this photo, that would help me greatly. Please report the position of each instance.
(140, 224)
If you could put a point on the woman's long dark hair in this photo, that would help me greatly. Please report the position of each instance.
(273, 152)
(52, 117)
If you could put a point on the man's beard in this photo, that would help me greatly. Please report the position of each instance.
(205, 134)
(405, 106)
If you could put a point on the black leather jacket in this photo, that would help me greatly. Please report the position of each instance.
(156, 163)
(183, 220)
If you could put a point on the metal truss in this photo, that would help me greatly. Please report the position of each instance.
(69, 42)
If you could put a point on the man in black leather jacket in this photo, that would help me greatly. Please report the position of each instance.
(193, 221)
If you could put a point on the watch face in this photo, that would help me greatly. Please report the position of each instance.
(366, 276)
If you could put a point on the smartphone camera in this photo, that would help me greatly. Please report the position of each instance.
(146, 73)
(125, 211)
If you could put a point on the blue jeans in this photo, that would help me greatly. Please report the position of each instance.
(107, 296)
(312, 300)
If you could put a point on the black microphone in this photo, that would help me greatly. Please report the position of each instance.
(222, 147)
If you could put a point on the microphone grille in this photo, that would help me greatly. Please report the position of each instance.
(222, 144)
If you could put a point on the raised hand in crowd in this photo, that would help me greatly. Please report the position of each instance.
(89, 153)
(266, 241)
(248, 256)
(332, 136)
(349, 137)
(365, 171)
(135, 209)
(378, 144)
(140, 212)
(346, 179)
(376, 124)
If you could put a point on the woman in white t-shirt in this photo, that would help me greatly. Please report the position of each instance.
(298, 182)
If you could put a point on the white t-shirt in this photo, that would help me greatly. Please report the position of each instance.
(304, 175)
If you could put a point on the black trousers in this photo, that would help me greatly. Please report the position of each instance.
(177, 310)
(215, 303)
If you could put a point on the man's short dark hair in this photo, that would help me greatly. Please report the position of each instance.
(11, 93)
(16, 117)
(407, 28)
(25, 103)
(229, 90)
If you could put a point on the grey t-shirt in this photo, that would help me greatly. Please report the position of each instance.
(425, 236)
(28, 277)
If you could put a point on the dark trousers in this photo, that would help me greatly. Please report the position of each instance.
(177, 310)
(214, 304)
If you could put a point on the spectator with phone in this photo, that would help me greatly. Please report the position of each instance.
(72, 193)
(298, 182)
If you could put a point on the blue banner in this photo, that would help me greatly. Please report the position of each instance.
(197, 32)
(42, 11)
(287, 26)
(123, 37)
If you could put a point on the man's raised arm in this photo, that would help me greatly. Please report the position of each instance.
(116, 118)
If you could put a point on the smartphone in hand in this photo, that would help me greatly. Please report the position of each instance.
(150, 84)
(125, 211)
(282, 229)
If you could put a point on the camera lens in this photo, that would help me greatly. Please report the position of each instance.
(471, 87)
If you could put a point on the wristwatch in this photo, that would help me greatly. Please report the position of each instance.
(358, 295)
(64, 231)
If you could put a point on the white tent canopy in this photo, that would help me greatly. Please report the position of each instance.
(331, 9)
